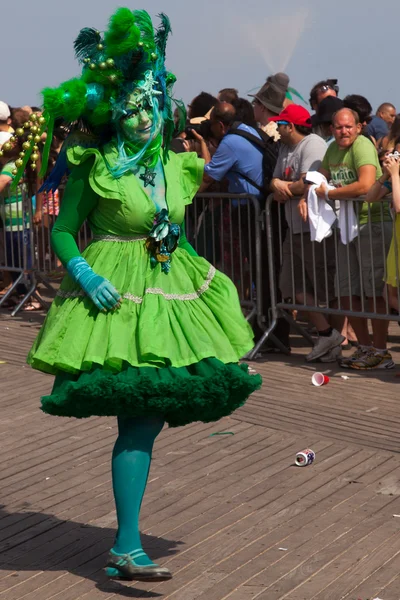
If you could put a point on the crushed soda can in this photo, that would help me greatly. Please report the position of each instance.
(305, 457)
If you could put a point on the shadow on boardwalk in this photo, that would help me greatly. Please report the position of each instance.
(77, 548)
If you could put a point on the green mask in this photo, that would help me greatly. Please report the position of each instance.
(142, 121)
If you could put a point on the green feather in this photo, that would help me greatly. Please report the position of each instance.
(53, 101)
(162, 34)
(74, 91)
(144, 23)
(86, 44)
(296, 93)
(122, 35)
(180, 105)
(67, 101)
(121, 22)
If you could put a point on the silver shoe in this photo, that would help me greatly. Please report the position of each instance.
(332, 356)
(324, 344)
(124, 566)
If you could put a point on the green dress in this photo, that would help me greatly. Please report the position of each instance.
(173, 346)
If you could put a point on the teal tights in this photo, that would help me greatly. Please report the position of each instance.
(130, 469)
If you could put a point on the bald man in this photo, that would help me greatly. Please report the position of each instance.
(382, 121)
(351, 162)
(237, 158)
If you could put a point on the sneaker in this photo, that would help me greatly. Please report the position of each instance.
(373, 360)
(325, 344)
(346, 363)
(332, 356)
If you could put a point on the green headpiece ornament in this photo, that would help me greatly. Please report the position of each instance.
(112, 65)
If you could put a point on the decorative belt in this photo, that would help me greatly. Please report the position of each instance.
(119, 238)
(161, 241)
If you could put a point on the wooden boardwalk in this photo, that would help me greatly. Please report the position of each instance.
(230, 514)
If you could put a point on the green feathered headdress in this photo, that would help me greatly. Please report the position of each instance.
(111, 64)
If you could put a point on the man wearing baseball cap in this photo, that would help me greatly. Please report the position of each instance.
(303, 272)
(5, 123)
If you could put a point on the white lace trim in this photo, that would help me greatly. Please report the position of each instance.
(135, 299)
(155, 291)
(116, 238)
(192, 296)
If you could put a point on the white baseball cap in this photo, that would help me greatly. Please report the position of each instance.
(4, 111)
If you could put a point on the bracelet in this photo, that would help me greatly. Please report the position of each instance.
(327, 195)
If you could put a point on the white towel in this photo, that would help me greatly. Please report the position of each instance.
(347, 234)
(321, 215)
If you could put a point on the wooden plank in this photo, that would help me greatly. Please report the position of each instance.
(252, 568)
(217, 509)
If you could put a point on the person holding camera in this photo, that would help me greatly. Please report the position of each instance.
(239, 162)
(246, 158)
(391, 169)
(236, 158)
(390, 182)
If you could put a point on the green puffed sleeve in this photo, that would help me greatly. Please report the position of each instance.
(77, 203)
(99, 176)
(191, 169)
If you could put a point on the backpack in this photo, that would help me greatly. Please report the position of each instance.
(270, 150)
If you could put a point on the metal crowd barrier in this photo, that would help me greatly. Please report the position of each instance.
(17, 254)
(26, 256)
(225, 229)
(323, 277)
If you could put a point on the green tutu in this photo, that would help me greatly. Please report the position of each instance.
(205, 391)
(172, 348)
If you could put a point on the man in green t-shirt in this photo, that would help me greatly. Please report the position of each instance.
(351, 163)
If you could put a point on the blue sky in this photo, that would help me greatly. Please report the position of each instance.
(218, 43)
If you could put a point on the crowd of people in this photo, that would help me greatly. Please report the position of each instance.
(273, 144)
(17, 216)
(354, 154)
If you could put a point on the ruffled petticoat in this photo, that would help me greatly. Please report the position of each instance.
(172, 348)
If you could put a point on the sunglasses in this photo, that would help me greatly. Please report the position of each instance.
(282, 123)
(323, 88)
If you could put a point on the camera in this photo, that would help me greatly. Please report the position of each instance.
(203, 129)
(395, 155)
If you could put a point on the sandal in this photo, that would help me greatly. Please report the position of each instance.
(32, 306)
(4, 291)
(123, 566)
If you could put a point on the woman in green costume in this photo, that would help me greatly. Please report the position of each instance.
(142, 328)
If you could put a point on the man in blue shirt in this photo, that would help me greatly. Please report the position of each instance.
(382, 121)
(235, 156)
(239, 160)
